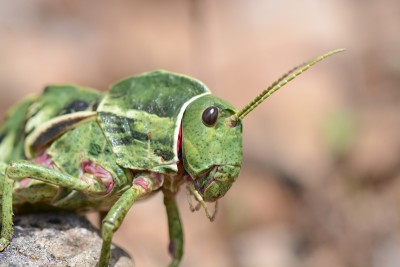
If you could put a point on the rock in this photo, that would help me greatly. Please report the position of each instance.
(57, 239)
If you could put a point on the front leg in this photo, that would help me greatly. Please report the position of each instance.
(113, 221)
(142, 184)
(174, 229)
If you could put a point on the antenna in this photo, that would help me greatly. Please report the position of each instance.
(290, 75)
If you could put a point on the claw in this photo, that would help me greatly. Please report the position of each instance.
(3, 243)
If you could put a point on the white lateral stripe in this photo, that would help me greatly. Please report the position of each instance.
(179, 119)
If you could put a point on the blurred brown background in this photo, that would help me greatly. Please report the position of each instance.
(320, 183)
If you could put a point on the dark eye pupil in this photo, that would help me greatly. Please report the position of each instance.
(210, 116)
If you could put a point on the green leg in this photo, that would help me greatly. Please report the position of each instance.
(3, 167)
(114, 219)
(174, 228)
(24, 168)
(143, 184)
(6, 213)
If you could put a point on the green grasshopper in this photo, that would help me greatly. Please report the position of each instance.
(75, 148)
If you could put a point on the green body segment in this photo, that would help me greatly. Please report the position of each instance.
(141, 116)
(55, 102)
(12, 131)
(86, 142)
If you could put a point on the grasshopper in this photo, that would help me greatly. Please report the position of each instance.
(74, 148)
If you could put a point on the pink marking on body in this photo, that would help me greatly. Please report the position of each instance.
(45, 160)
(25, 182)
(141, 181)
(90, 167)
(106, 178)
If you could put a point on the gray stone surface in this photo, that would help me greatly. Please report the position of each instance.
(57, 239)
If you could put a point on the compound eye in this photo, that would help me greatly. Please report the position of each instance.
(210, 116)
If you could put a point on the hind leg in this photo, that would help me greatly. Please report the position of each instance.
(6, 187)
(22, 169)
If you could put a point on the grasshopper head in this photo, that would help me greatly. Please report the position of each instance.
(211, 149)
